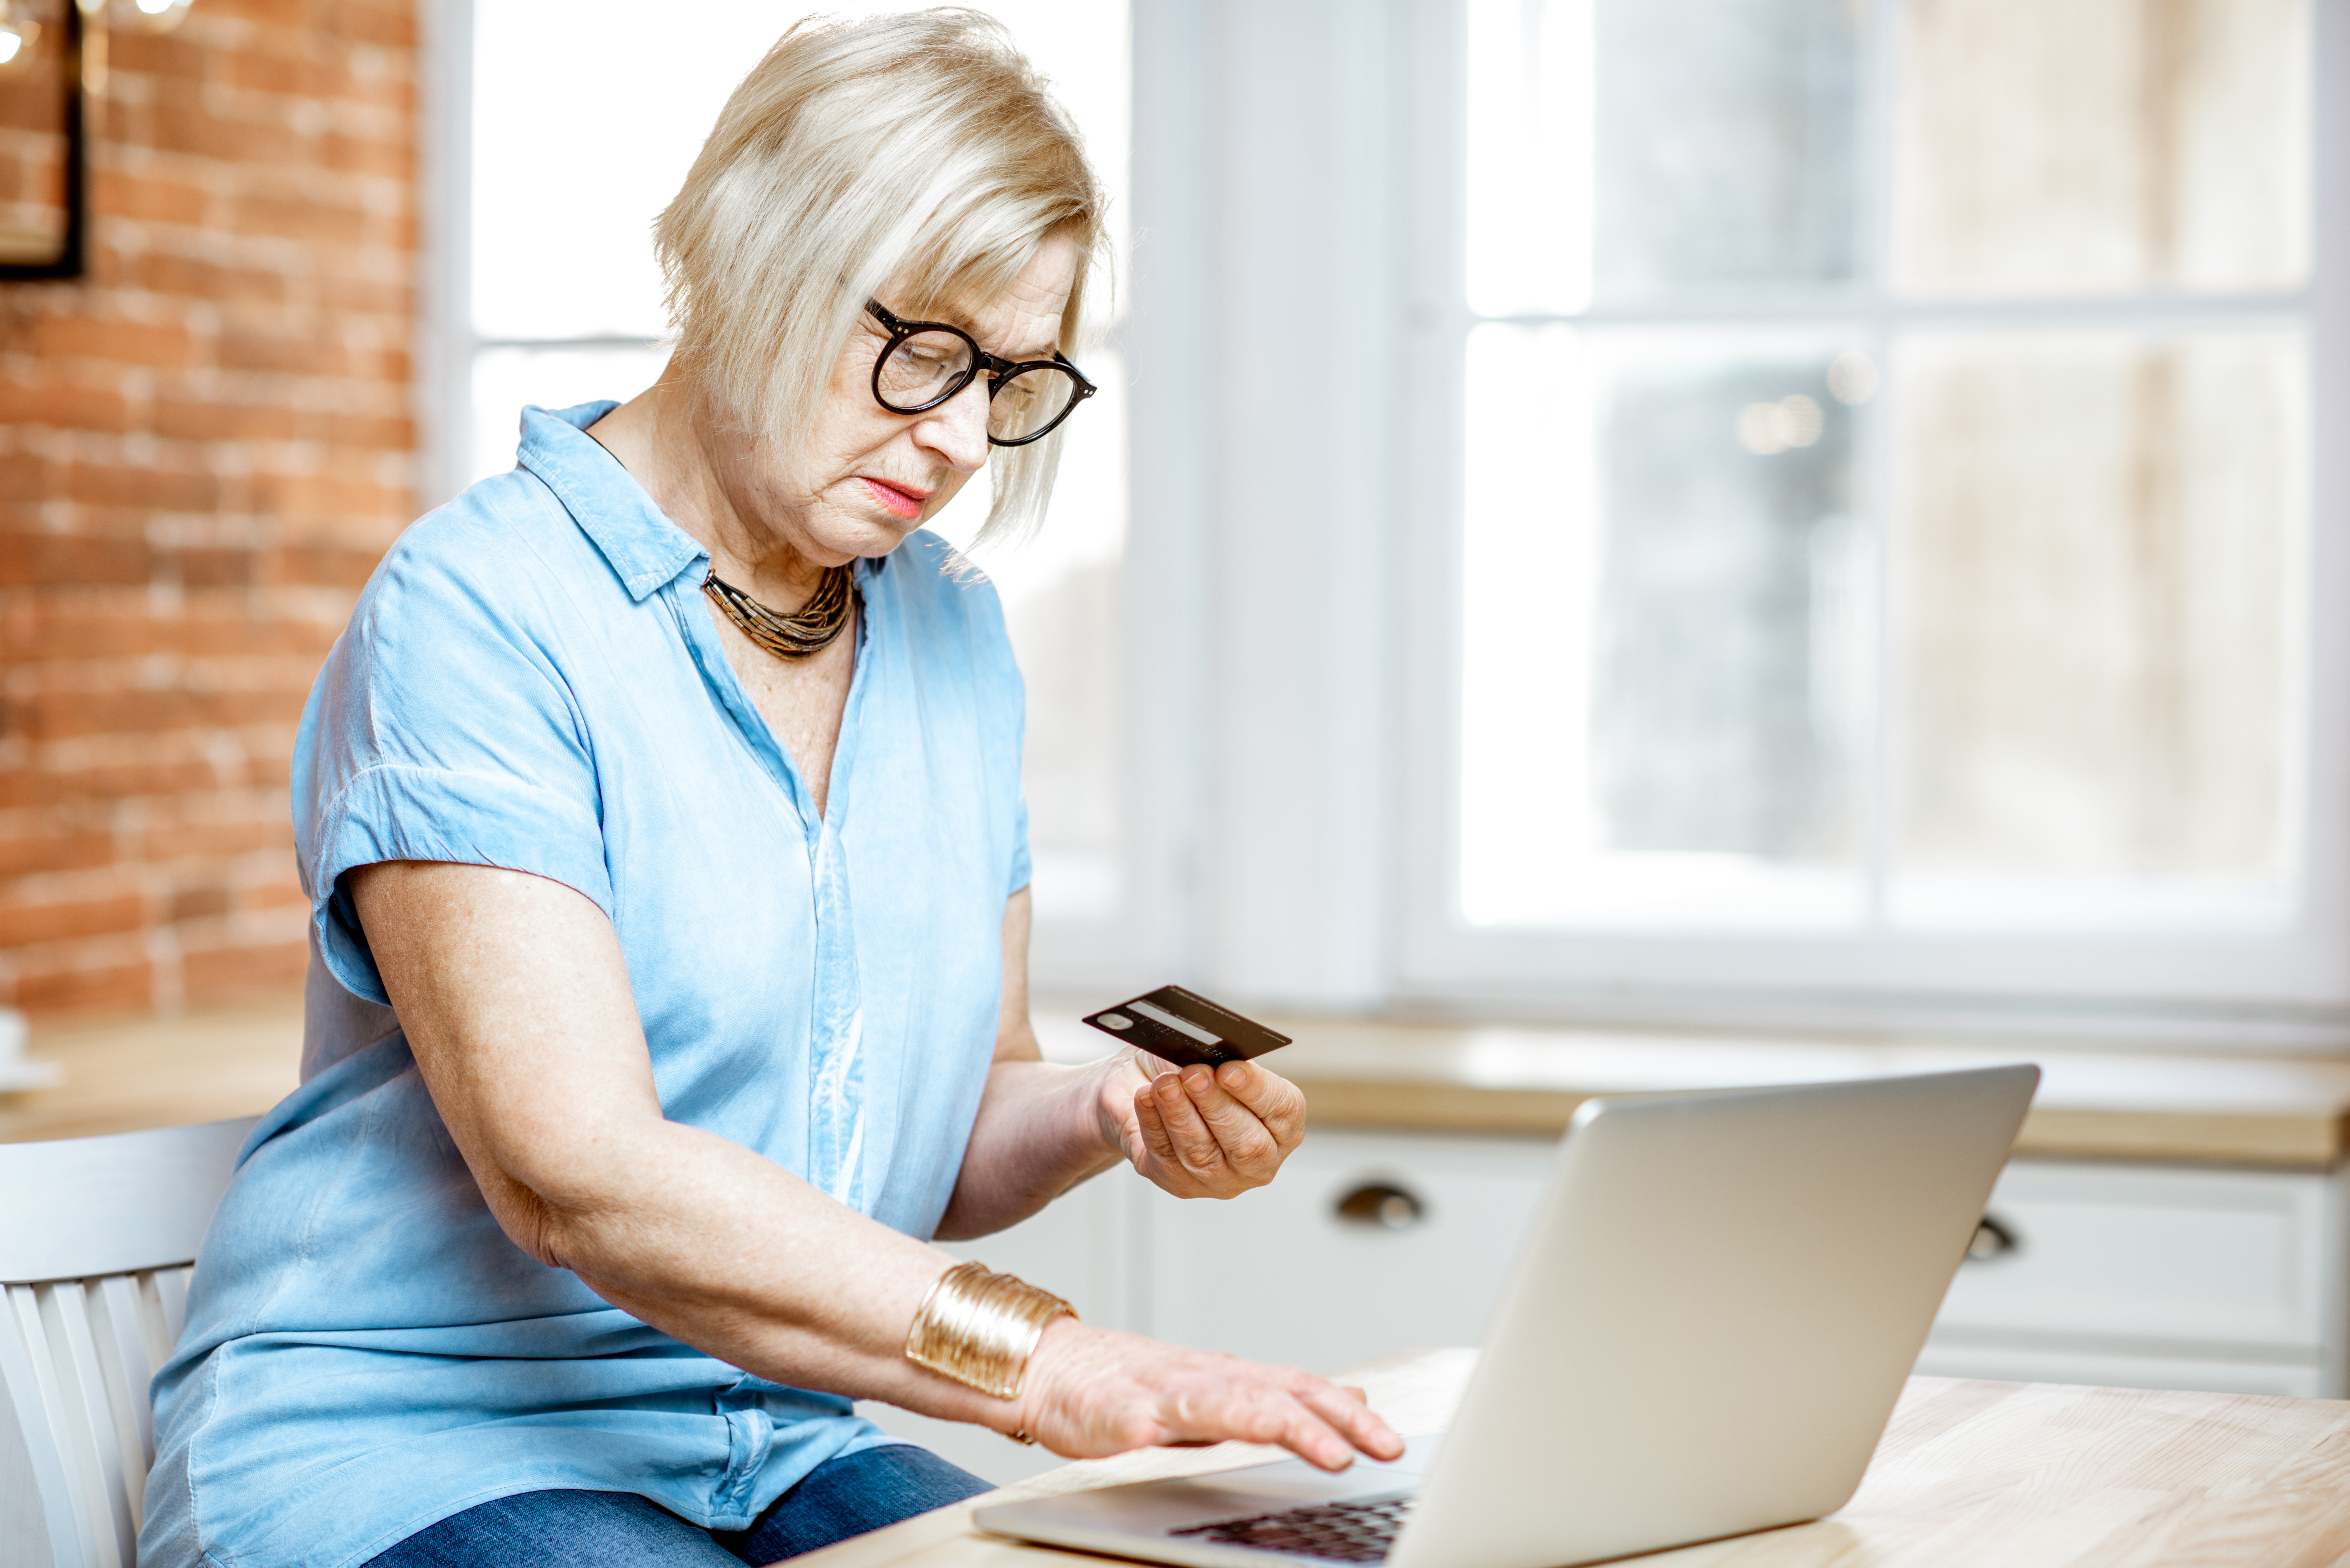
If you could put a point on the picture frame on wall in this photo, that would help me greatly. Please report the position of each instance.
(43, 153)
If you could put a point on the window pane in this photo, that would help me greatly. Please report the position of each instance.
(1726, 142)
(1637, 147)
(1667, 624)
(2101, 146)
(2096, 625)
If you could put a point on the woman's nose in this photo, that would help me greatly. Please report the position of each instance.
(957, 429)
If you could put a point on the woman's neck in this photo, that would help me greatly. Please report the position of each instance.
(657, 436)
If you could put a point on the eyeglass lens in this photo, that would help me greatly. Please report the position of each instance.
(919, 369)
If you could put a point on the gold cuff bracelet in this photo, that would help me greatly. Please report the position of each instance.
(980, 1328)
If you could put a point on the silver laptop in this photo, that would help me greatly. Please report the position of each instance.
(1703, 1335)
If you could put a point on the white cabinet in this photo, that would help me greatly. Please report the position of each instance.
(1286, 1275)
(2154, 1276)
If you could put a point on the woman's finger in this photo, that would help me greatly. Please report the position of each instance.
(1153, 1127)
(1345, 1411)
(1195, 1143)
(1289, 1421)
(1246, 1142)
(1276, 1102)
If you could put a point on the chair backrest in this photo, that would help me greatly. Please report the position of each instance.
(96, 1239)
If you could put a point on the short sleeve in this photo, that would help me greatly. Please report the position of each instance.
(1020, 868)
(442, 728)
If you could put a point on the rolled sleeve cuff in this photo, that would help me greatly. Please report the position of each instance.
(466, 820)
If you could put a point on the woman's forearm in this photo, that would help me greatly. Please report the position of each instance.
(1040, 1131)
(738, 1257)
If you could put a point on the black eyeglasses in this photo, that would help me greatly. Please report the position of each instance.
(928, 362)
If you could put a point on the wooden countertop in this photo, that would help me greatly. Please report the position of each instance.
(2290, 1112)
(2025, 1475)
(2281, 1112)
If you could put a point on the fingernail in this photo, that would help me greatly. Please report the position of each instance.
(1169, 1089)
(1197, 1079)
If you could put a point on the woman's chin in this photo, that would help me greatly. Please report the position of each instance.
(838, 539)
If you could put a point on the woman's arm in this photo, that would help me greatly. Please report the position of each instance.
(1042, 1128)
(515, 1001)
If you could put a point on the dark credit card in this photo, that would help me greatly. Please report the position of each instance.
(1184, 1027)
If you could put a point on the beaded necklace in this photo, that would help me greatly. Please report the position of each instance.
(811, 628)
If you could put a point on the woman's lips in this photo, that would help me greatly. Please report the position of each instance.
(904, 502)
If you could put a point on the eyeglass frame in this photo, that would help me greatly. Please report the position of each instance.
(998, 370)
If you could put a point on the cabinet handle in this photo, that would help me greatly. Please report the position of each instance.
(1991, 1239)
(1376, 1203)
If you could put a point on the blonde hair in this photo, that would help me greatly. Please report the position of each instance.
(920, 152)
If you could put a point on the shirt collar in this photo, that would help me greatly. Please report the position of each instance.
(643, 546)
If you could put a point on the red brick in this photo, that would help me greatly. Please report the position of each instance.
(186, 419)
(108, 989)
(24, 925)
(164, 273)
(354, 155)
(284, 895)
(139, 487)
(28, 640)
(217, 839)
(288, 15)
(300, 219)
(27, 559)
(54, 850)
(199, 903)
(72, 408)
(148, 201)
(201, 135)
(220, 973)
(302, 356)
(293, 76)
(123, 342)
(372, 434)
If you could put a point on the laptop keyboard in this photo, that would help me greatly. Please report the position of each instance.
(1358, 1531)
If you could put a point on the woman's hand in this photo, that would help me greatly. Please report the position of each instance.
(1091, 1392)
(1197, 1133)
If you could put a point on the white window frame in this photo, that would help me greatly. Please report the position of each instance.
(1293, 570)
(2283, 989)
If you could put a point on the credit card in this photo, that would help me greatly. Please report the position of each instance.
(1184, 1027)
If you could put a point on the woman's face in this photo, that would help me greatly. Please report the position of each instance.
(867, 478)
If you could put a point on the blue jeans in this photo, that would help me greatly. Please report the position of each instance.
(839, 1499)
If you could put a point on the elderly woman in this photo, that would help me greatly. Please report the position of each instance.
(660, 816)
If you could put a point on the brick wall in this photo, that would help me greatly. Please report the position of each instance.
(204, 445)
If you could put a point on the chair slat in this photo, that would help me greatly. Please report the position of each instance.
(122, 1361)
(158, 1327)
(36, 1514)
(171, 1287)
(41, 1362)
(89, 1434)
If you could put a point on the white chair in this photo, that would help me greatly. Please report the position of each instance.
(96, 1239)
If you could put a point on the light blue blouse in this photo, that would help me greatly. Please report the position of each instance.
(532, 680)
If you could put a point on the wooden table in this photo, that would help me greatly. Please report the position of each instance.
(1970, 1475)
